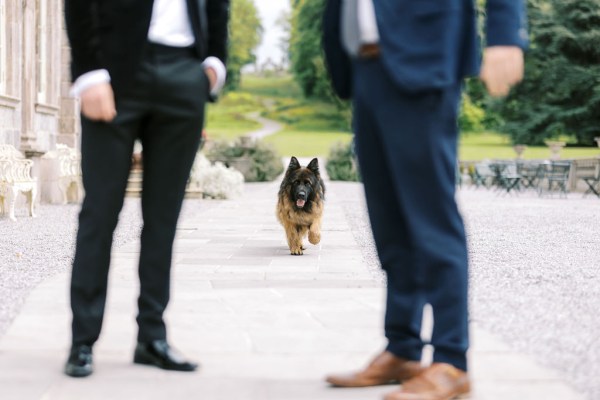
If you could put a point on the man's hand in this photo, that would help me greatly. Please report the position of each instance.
(98, 103)
(212, 76)
(502, 68)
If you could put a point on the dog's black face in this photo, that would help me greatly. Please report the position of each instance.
(303, 184)
(302, 188)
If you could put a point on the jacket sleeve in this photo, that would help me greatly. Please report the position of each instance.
(82, 33)
(218, 20)
(506, 23)
(337, 62)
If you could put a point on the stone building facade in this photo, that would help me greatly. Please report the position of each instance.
(36, 111)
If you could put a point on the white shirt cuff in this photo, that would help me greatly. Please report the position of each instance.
(221, 71)
(88, 80)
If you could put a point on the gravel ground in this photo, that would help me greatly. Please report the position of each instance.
(535, 268)
(32, 250)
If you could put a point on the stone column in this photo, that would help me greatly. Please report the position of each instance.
(69, 131)
(29, 84)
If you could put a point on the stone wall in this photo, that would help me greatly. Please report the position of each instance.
(36, 111)
(68, 124)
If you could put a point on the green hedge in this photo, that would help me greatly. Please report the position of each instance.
(256, 160)
(341, 163)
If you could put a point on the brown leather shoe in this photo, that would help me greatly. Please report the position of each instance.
(386, 368)
(440, 381)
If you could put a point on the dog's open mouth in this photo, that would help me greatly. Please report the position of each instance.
(300, 203)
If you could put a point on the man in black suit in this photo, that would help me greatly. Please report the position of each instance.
(403, 62)
(144, 71)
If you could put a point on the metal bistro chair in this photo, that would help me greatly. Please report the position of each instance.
(507, 177)
(593, 182)
(556, 175)
(529, 173)
(483, 175)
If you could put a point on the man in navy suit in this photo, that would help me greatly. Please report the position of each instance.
(402, 62)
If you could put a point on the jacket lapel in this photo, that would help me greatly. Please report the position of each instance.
(198, 22)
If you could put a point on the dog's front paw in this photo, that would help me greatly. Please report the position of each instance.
(296, 251)
(314, 237)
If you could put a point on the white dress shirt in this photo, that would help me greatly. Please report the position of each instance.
(367, 22)
(358, 25)
(169, 25)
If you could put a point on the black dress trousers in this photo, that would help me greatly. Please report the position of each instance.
(164, 108)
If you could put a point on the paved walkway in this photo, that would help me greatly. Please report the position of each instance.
(264, 325)
(269, 127)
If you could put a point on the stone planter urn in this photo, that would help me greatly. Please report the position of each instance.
(519, 149)
(555, 148)
(246, 142)
(241, 164)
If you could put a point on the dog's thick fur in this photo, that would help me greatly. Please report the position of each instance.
(300, 204)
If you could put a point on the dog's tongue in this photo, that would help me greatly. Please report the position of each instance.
(300, 203)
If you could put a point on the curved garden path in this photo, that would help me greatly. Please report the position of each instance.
(269, 126)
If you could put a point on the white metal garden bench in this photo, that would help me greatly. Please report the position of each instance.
(69, 173)
(15, 177)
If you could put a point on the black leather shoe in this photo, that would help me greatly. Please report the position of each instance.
(79, 363)
(161, 355)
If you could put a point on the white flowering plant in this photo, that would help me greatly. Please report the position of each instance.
(215, 181)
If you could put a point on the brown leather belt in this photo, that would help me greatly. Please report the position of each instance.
(369, 50)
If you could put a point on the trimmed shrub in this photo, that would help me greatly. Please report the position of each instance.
(341, 163)
(256, 160)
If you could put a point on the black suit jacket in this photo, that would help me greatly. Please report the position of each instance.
(111, 34)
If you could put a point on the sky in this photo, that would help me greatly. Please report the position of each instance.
(269, 11)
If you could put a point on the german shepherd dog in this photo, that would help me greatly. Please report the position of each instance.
(300, 204)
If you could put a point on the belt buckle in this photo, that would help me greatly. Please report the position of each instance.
(369, 50)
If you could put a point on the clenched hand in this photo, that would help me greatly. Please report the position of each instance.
(98, 103)
(501, 69)
(212, 77)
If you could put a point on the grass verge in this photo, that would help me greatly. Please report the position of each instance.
(489, 145)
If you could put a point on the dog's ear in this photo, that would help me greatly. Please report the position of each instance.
(294, 164)
(314, 166)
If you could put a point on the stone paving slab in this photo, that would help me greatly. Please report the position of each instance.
(264, 325)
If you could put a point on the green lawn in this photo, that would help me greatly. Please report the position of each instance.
(271, 86)
(479, 146)
(306, 143)
(311, 127)
(227, 119)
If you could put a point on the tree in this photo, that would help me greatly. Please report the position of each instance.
(284, 21)
(308, 66)
(561, 91)
(245, 31)
(307, 60)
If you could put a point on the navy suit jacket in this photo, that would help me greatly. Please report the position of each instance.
(426, 44)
